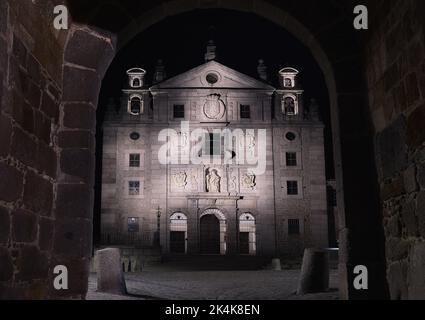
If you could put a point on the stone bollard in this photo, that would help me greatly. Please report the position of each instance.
(276, 265)
(314, 275)
(110, 277)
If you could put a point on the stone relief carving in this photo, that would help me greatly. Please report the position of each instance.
(212, 181)
(250, 142)
(180, 179)
(183, 139)
(194, 179)
(214, 107)
(232, 182)
(249, 180)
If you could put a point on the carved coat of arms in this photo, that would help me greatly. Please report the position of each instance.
(248, 181)
(214, 107)
(180, 179)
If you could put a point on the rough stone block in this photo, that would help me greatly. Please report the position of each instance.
(410, 179)
(421, 175)
(79, 116)
(4, 225)
(397, 249)
(78, 163)
(24, 148)
(47, 159)
(392, 150)
(415, 127)
(420, 212)
(45, 238)
(314, 275)
(5, 135)
(24, 226)
(409, 218)
(73, 200)
(42, 127)
(416, 272)
(75, 88)
(393, 189)
(397, 280)
(6, 265)
(3, 16)
(33, 95)
(32, 264)
(11, 183)
(19, 51)
(82, 42)
(50, 107)
(76, 139)
(38, 194)
(73, 237)
(110, 277)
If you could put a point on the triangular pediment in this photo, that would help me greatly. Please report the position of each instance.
(212, 75)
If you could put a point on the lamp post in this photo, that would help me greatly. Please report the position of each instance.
(158, 226)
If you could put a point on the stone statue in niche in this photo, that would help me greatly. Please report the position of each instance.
(248, 181)
(213, 181)
(180, 179)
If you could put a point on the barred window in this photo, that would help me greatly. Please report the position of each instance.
(293, 226)
(133, 224)
(178, 111)
(134, 188)
(134, 160)
(291, 159)
(135, 106)
(245, 111)
(292, 187)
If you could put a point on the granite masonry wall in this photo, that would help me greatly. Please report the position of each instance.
(395, 60)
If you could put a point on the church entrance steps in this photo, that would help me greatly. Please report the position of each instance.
(214, 262)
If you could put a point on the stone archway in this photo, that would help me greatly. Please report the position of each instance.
(213, 228)
(338, 100)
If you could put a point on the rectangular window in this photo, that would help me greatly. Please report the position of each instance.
(245, 111)
(133, 224)
(292, 187)
(134, 188)
(293, 226)
(178, 111)
(212, 146)
(134, 160)
(291, 159)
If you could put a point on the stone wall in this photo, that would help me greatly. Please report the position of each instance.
(30, 92)
(395, 60)
(46, 148)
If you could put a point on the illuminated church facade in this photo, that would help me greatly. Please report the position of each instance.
(263, 194)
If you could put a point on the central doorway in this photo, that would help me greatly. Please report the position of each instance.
(210, 234)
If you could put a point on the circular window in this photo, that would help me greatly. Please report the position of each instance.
(290, 136)
(211, 78)
(134, 136)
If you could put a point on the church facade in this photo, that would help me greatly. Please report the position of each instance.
(213, 161)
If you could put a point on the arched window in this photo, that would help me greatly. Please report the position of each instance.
(290, 107)
(247, 236)
(135, 105)
(178, 233)
(288, 83)
(136, 83)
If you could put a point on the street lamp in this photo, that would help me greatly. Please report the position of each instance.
(158, 226)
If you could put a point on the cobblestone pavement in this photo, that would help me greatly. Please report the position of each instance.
(214, 285)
